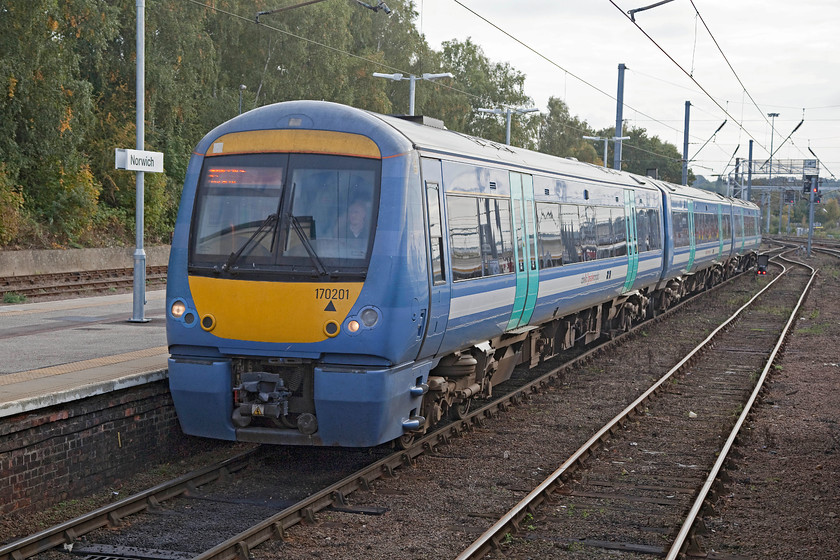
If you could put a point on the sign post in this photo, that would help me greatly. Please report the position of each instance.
(139, 161)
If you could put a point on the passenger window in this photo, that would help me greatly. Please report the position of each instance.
(619, 246)
(479, 236)
(681, 233)
(550, 234)
(654, 225)
(604, 233)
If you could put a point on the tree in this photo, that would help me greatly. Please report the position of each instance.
(47, 110)
(562, 134)
(642, 153)
(482, 83)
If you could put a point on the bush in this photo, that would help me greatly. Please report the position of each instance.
(11, 206)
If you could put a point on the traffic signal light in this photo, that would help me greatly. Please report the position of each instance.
(806, 184)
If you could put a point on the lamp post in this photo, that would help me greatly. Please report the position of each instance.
(412, 79)
(508, 112)
(770, 175)
(242, 87)
(605, 140)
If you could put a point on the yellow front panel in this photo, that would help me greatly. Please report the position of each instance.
(297, 141)
(272, 311)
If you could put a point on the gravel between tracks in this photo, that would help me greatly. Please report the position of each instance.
(784, 501)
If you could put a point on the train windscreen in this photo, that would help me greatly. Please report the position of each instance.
(296, 214)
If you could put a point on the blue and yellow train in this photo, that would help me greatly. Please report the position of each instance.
(340, 277)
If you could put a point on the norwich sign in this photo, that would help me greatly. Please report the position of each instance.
(138, 160)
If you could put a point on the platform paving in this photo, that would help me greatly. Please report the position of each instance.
(57, 352)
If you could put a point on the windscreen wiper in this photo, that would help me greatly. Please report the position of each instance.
(313, 256)
(262, 231)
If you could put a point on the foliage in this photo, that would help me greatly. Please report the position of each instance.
(642, 153)
(67, 98)
(485, 84)
(11, 204)
(562, 134)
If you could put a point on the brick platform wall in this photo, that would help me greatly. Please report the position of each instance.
(72, 450)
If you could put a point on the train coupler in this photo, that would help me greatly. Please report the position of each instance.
(260, 394)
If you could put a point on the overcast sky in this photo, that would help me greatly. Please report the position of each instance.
(786, 54)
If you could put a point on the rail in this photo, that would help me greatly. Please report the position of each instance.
(511, 521)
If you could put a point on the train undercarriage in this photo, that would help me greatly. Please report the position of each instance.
(282, 390)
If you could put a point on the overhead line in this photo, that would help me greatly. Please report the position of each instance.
(737, 77)
(678, 65)
(557, 65)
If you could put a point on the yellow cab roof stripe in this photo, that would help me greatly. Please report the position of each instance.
(299, 141)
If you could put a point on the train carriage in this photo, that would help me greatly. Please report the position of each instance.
(339, 277)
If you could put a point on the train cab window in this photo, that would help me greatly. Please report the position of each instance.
(235, 200)
(480, 236)
(297, 214)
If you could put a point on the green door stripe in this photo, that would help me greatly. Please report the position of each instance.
(532, 266)
(631, 234)
(525, 249)
(691, 236)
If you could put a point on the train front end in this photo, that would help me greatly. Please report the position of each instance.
(289, 315)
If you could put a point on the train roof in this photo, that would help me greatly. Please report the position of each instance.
(435, 139)
(430, 137)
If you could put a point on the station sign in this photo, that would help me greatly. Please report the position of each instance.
(138, 160)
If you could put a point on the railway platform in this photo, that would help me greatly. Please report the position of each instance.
(62, 351)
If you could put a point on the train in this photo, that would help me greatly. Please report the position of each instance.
(339, 277)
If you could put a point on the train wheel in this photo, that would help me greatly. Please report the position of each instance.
(459, 410)
(405, 441)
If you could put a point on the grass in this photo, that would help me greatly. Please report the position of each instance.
(813, 329)
(12, 297)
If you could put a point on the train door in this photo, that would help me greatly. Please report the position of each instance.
(692, 237)
(720, 230)
(434, 317)
(525, 249)
(631, 235)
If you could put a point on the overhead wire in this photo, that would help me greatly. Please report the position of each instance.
(720, 50)
(556, 64)
(678, 65)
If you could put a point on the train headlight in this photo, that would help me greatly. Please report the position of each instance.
(178, 309)
(353, 326)
(369, 317)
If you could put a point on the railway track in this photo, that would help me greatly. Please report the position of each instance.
(85, 283)
(331, 497)
(643, 482)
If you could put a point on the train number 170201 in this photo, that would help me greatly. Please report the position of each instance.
(332, 293)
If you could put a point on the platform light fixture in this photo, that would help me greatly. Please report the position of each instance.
(412, 79)
(508, 112)
(605, 141)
